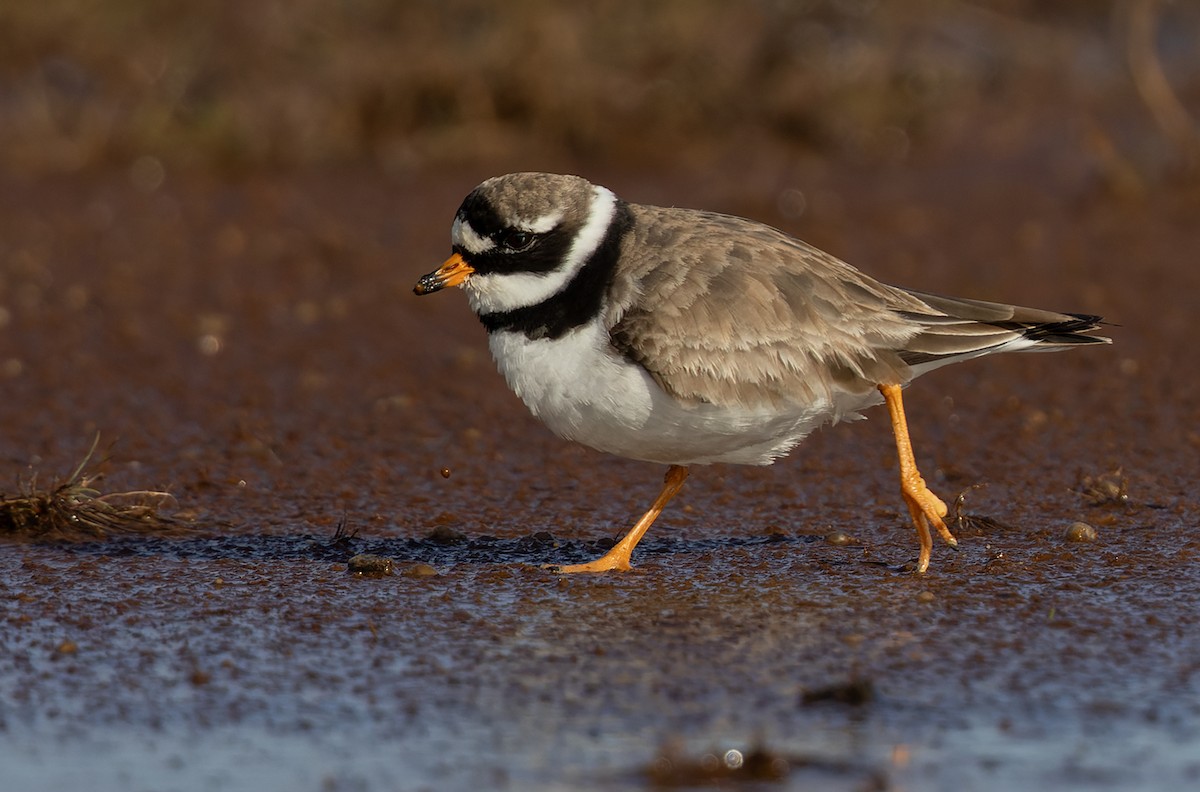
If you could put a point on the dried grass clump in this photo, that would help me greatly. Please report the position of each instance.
(76, 509)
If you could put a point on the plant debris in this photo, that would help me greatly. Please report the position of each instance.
(855, 693)
(758, 767)
(716, 768)
(343, 534)
(76, 509)
(1107, 489)
(975, 524)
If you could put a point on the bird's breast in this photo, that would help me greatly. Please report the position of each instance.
(583, 390)
(576, 384)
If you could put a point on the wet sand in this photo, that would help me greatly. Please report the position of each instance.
(252, 346)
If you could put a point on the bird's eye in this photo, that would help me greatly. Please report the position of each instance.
(516, 240)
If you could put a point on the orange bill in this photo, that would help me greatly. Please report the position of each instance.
(452, 273)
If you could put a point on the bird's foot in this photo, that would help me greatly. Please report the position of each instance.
(616, 559)
(926, 510)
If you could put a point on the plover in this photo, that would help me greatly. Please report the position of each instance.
(687, 337)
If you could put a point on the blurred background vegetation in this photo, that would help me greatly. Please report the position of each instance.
(226, 86)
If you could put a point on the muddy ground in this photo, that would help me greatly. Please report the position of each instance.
(248, 342)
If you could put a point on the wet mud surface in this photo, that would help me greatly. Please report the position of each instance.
(252, 346)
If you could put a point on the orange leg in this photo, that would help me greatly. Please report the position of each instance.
(618, 556)
(925, 508)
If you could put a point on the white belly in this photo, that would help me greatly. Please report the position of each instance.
(583, 391)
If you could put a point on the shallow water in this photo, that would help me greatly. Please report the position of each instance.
(196, 665)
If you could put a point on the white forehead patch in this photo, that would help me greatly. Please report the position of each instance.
(463, 235)
(542, 224)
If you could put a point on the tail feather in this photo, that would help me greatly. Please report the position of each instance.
(957, 329)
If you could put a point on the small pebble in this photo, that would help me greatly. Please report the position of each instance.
(367, 565)
(420, 571)
(838, 539)
(445, 535)
(1080, 532)
(925, 596)
(445, 472)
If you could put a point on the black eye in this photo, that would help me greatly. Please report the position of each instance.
(516, 240)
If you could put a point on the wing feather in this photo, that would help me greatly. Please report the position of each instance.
(727, 311)
(723, 310)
